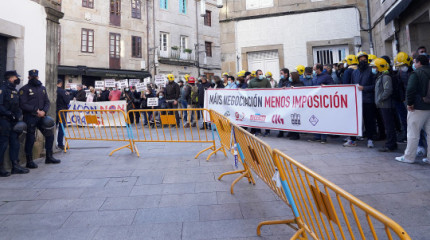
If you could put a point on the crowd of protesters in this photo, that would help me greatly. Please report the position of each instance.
(396, 100)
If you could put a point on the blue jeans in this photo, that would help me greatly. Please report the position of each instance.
(184, 104)
(60, 135)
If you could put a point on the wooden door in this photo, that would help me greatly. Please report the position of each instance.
(115, 12)
(114, 51)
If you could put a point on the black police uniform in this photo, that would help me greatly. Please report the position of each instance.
(33, 97)
(10, 113)
(63, 100)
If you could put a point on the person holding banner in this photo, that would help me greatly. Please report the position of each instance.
(322, 78)
(191, 96)
(92, 97)
(260, 82)
(81, 95)
(201, 97)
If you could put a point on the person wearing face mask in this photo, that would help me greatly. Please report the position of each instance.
(148, 93)
(284, 78)
(350, 66)
(422, 51)
(259, 82)
(128, 96)
(10, 114)
(34, 102)
(273, 82)
(218, 83)
(225, 79)
(295, 82)
(301, 70)
(104, 95)
(418, 104)
(231, 83)
(340, 70)
(172, 95)
(307, 76)
(384, 101)
(205, 85)
(402, 62)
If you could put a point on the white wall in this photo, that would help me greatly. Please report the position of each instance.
(294, 31)
(32, 17)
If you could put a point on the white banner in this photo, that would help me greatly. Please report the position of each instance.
(152, 102)
(122, 83)
(160, 80)
(99, 84)
(110, 83)
(140, 87)
(335, 109)
(114, 119)
(133, 82)
(147, 81)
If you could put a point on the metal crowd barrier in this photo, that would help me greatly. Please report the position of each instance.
(321, 209)
(172, 125)
(95, 125)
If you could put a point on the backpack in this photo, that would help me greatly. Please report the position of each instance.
(194, 94)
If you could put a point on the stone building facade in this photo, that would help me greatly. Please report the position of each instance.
(400, 26)
(29, 40)
(272, 34)
(103, 40)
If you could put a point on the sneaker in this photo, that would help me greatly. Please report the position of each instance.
(426, 160)
(403, 160)
(324, 141)
(350, 143)
(346, 139)
(370, 144)
(421, 152)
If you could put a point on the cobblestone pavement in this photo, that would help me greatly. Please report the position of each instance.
(167, 194)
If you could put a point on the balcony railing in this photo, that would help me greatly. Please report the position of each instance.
(177, 55)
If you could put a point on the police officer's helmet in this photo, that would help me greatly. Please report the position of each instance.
(20, 127)
(48, 122)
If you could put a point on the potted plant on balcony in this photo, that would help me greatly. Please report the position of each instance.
(175, 53)
(188, 52)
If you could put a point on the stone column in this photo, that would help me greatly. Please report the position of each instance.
(53, 17)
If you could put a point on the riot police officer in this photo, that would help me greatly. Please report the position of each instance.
(35, 104)
(10, 114)
(63, 100)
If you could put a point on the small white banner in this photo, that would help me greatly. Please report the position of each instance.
(140, 87)
(99, 84)
(334, 109)
(152, 102)
(133, 82)
(160, 80)
(110, 83)
(123, 83)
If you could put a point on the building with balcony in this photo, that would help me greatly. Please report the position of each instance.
(271, 34)
(400, 26)
(103, 40)
(185, 41)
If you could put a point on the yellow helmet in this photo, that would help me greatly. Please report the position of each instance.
(241, 73)
(372, 57)
(225, 74)
(381, 64)
(170, 77)
(351, 60)
(253, 74)
(186, 76)
(402, 58)
(361, 54)
(268, 74)
(300, 69)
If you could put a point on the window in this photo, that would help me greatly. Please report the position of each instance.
(184, 43)
(164, 37)
(135, 9)
(88, 3)
(115, 12)
(256, 4)
(330, 55)
(163, 4)
(208, 48)
(183, 6)
(114, 50)
(208, 20)
(87, 40)
(136, 46)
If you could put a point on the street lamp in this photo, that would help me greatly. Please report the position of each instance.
(219, 4)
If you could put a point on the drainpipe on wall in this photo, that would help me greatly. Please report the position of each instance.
(153, 31)
(369, 26)
(197, 42)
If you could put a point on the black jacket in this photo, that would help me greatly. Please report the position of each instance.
(33, 97)
(173, 91)
(63, 99)
(9, 101)
(81, 96)
(202, 88)
(104, 96)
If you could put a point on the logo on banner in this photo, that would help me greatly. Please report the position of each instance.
(239, 116)
(258, 118)
(313, 120)
(277, 119)
(227, 114)
(295, 119)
